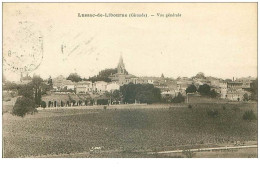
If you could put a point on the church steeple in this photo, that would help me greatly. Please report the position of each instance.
(121, 66)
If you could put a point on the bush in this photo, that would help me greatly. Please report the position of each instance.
(245, 97)
(249, 115)
(178, 99)
(23, 105)
(191, 89)
(102, 101)
(213, 93)
(43, 104)
(189, 106)
(224, 107)
(213, 113)
(204, 89)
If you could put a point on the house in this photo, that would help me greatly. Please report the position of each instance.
(24, 79)
(232, 90)
(214, 82)
(60, 83)
(237, 95)
(145, 80)
(182, 85)
(100, 86)
(169, 93)
(112, 87)
(246, 82)
(84, 87)
(223, 89)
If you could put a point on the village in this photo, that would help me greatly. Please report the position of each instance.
(130, 80)
(65, 92)
(117, 99)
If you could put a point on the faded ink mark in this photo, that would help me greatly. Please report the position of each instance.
(87, 42)
(23, 48)
(75, 48)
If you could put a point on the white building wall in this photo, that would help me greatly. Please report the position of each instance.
(100, 86)
(112, 87)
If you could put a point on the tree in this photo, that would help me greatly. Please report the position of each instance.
(26, 91)
(228, 80)
(50, 82)
(104, 75)
(157, 94)
(43, 104)
(61, 103)
(200, 75)
(10, 86)
(74, 77)
(45, 88)
(37, 83)
(36, 96)
(102, 101)
(39, 97)
(245, 97)
(116, 95)
(30, 92)
(191, 89)
(145, 93)
(213, 93)
(204, 89)
(23, 105)
(108, 94)
(178, 99)
(254, 90)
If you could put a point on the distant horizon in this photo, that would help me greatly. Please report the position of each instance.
(157, 76)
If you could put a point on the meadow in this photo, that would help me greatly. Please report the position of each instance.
(126, 130)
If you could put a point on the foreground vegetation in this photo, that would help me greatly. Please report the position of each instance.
(127, 130)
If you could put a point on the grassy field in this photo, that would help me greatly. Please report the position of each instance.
(124, 131)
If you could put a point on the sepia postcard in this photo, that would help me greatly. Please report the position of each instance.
(129, 80)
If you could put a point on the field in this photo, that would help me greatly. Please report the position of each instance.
(126, 132)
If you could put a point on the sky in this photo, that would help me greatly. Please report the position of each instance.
(218, 39)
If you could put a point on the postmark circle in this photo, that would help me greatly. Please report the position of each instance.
(23, 48)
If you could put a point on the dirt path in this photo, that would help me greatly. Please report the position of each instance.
(88, 154)
(206, 149)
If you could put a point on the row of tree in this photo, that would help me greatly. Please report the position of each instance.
(102, 76)
(143, 93)
(204, 90)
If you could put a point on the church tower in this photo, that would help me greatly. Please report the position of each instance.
(121, 66)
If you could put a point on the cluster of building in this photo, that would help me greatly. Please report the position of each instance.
(233, 90)
(228, 89)
(62, 85)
